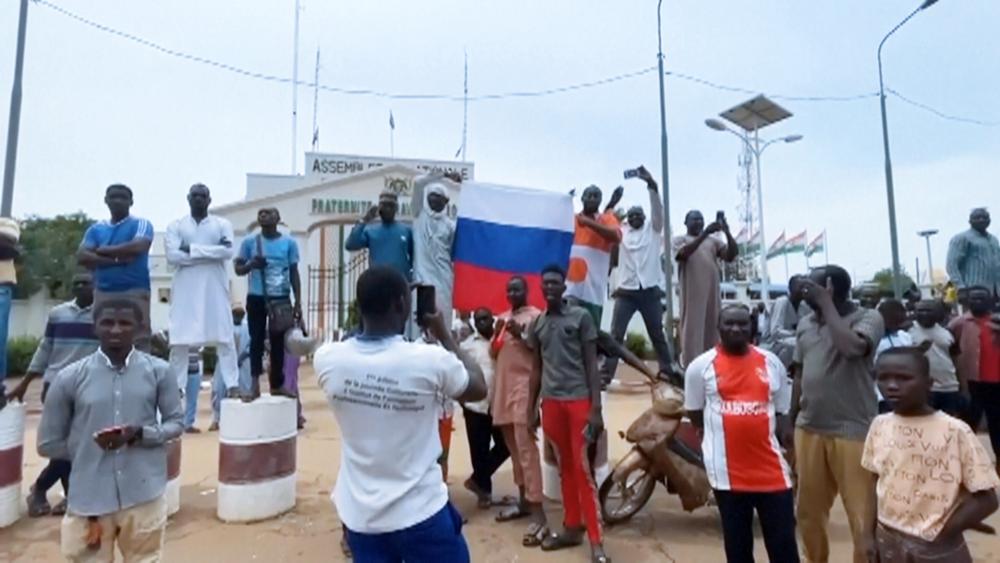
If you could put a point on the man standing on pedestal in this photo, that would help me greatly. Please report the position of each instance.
(118, 253)
(433, 236)
(974, 257)
(641, 277)
(200, 246)
(697, 253)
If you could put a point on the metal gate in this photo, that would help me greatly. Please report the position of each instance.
(331, 297)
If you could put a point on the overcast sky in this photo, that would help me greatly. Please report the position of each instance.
(100, 109)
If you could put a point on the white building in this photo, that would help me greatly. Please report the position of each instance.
(318, 209)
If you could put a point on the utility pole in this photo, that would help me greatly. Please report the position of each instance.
(668, 258)
(14, 123)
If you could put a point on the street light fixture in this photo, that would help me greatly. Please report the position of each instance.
(758, 149)
(897, 288)
(927, 234)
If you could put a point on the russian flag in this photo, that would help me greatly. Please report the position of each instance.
(502, 231)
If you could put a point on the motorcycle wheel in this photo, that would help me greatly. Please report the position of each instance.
(620, 501)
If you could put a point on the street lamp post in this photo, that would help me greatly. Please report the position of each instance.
(927, 234)
(757, 149)
(668, 267)
(897, 288)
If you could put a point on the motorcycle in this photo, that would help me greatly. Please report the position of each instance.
(666, 449)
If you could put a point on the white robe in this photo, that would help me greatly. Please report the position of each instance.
(200, 308)
(433, 235)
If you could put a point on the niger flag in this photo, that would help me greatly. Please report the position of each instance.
(589, 261)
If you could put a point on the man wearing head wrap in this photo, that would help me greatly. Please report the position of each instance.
(433, 235)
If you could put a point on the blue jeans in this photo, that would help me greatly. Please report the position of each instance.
(191, 390)
(219, 388)
(435, 540)
(6, 294)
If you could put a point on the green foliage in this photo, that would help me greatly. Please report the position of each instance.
(638, 345)
(48, 254)
(19, 352)
(883, 279)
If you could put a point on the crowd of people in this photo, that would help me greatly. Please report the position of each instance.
(788, 408)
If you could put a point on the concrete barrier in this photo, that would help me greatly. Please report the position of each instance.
(257, 458)
(11, 462)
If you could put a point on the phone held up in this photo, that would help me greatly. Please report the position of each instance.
(631, 173)
(425, 302)
(720, 217)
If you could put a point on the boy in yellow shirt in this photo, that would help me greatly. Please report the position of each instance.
(932, 477)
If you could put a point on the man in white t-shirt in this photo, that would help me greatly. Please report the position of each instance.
(640, 274)
(384, 392)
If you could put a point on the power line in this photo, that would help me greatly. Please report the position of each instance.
(941, 114)
(501, 95)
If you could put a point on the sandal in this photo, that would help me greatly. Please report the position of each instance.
(513, 513)
(555, 542)
(534, 535)
(483, 500)
(599, 557)
(59, 509)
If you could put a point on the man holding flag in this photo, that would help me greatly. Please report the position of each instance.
(594, 237)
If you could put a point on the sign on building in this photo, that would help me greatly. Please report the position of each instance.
(325, 166)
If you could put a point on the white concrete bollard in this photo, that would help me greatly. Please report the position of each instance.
(257, 468)
(173, 476)
(11, 461)
(551, 483)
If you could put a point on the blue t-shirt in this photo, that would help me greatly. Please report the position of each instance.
(281, 254)
(127, 275)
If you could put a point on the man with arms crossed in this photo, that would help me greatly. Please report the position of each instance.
(385, 392)
(101, 414)
(117, 251)
(200, 246)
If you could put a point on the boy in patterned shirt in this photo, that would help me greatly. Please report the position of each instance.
(932, 477)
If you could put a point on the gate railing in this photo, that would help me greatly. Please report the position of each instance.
(330, 296)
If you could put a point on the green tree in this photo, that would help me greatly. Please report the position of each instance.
(48, 254)
(883, 279)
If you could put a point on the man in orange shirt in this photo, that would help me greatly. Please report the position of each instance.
(739, 396)
(595, 236)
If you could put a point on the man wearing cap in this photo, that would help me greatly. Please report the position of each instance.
(389, 242)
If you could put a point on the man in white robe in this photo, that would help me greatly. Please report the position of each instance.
(200, 247)
(433, 235)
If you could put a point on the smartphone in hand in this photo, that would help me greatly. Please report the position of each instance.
(720, 217)
(631, 173)
(426, 296)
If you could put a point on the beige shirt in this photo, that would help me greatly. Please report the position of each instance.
(925, 465)
(7, 272)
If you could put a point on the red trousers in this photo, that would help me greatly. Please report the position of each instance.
(563, 423)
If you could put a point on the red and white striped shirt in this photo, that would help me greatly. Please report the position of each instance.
(740, 397)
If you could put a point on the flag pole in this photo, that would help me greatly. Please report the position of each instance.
(295, 87)
(826, 248)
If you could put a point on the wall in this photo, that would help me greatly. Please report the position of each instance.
(28, 316)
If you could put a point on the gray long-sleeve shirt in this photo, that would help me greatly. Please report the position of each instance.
(91, 395)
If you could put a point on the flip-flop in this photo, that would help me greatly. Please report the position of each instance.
(506, 500)
(534, 535)
(555, 542)
(516, 512)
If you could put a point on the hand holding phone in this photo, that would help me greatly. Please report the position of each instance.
(426, 305)
(115, 437)
(631, 173)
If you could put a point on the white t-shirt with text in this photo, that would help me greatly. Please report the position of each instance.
(385, 394)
